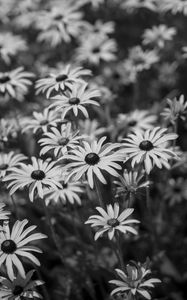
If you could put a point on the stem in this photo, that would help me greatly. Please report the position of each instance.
(175, 129)
(14, 206)
(119, 252)
(98, 191)
(148, 199)
(53, 233)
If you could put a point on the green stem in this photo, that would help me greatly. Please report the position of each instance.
(120, 254)
(14, 206)
(98, 191)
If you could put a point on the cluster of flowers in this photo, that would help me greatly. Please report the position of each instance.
(75, 153)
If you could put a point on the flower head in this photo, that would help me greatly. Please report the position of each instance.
(37, 176)
(92, 159)
(15, 82)
(4, 214)
(174, 6)
(15, 243)
(110, 221)
(20, 288)
(149, 147)
(158, 35)
(60, 141)
(8, 161)
(76, 99)
(62, 80)
(134, 281)
(131, 5)
(177, 108)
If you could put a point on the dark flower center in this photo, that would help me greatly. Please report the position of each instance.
(96, 50)
(4, 79)
(177, 189)
(17, 290)
(3, 167)
(146, 145)
(132, 123)
(92, 158)
(113, 222)
(58, 17)
(64, 185)
(44, 122)
(63, 141)
(8, 246)
(61, 77)
(74, 101)
(38, 175)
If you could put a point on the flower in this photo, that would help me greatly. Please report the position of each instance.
(15, 82)
(96, 49)
(175, 6)
(8, 161)
(10, 45)
(19, 288)
(16, 243)
(60, 141)
(177, 109)
(69, 192)
(92, 159)
(158, 35)
(175, 191)
(41, 121)
(3, 213)
(148, 147)
(61, 81)
(133, 282)
(76, 99)
(140, 120)
(8, 130)
(60, 23)
(131, 5)
(38, 175)
(110, 220)
(99, 28)
(130, 182)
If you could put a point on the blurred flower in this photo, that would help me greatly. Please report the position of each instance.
(61, 81)
(92, 159)
(4, 214)
(16, 243)
(76, 99)
(140, 60)
(158, 35)
(20, 288)
(9, 160)
(8, 130)
(177, 109)
(110, 220)
(99, 28)
(43, 121)
(131, 5)
(148, 147)
(96, 49)
(15, 82)
(69, 192)
(130, 182)
(174, 6)
(140, 120)
(175, 191)
(60, 23)
(38, 175)
(10, 45)
(91, 129)
(60, 141)
(133, 282)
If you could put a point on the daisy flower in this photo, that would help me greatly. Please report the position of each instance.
(99, 28)
(110, 220)
(175, 191)
(174, 6)
(92, 159)
(158, 35)
(62, 80)
(177, 108)
(96, 49)
(76, 99)
(20, 288)
(41, 121)
(149, 147)
(131, 5)
(69, 192)
(37, 176)
(3, 213)
(15, 243)
(130, 182)
(9, 160)
(140, 120)
(10, 45)
(8, 130)
(15, 82)
(133, 281)
(60, 141)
